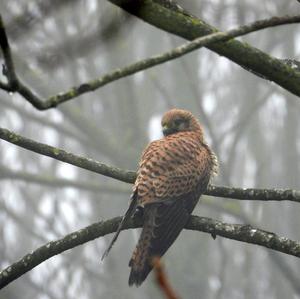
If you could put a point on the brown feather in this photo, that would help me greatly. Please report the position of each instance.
(163, 221)
(173, 173)
(130, 211)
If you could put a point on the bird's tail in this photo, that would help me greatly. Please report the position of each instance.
(163, 221)
(130, 211)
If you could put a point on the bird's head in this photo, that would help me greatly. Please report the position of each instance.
(179, 120)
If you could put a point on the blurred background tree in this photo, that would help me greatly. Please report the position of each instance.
(252, 125)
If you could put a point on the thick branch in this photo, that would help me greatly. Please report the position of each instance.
(141, 65)
(244, 233)
(218, 191)
(190, 27)
(61, 155)
(129, 176)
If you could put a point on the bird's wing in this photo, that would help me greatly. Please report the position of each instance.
(172, 167)
(175, 184)
(130, 211)
(181, 180)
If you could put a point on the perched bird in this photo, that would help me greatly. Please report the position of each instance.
(173, 172)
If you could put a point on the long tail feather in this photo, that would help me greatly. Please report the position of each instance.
(162, 224)
(130, 211)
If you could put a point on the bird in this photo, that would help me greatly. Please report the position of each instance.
(173, 173)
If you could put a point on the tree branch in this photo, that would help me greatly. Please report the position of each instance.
(244, 233)
(254, 194)
(62, 155)
(9, 69)
(130, 176)
(162, 279)
(217, 191)
(15, 85)
(190, 27)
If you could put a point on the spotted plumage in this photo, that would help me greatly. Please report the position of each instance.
(173, 172)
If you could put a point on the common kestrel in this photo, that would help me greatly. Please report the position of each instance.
(173, 173)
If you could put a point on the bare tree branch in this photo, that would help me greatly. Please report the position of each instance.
(130, 176)
(217, 191)
(254, 194)
(244, 233)
(5, 86)
(190, 27)
(162, 279)
(15, 85)
(62, 155)
(293, 63)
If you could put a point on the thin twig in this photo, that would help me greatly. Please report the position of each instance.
(217, 191)
(136, 67)
(244, 233)
(130, 176)
(162, 279)
(254, 194)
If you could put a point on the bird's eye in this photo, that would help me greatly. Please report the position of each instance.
(177, 122)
